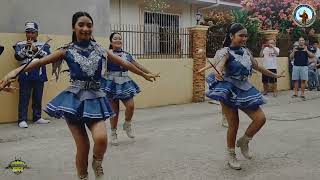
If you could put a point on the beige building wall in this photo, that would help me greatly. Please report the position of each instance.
(173, 87)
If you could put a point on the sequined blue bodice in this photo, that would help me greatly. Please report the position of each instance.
(85, 60)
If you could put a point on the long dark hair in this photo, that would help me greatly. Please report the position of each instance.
(233, 29)
(75, 18)
(111, 37)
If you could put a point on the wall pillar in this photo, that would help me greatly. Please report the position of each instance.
(198, 51)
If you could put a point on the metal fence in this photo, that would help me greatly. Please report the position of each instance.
(151, 41)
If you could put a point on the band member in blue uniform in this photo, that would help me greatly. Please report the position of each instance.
(83, 103)
(31, 83)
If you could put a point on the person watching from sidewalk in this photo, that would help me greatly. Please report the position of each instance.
(269, 54)
(301, 55)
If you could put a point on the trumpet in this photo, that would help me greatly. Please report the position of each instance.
(29, 52)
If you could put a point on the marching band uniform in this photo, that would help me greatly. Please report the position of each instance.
(31, 82)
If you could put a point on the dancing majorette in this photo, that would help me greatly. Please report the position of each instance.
(120, 87)
(83, 103)
(229, 84)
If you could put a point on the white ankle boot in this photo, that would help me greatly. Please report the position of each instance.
(83, 177)
(232, 160)
(127, 126)
(97, 168)
(114, 137)
(243, 144)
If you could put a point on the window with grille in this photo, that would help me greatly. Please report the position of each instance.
(161, 33)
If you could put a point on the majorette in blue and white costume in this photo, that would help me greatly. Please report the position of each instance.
(83, 101)
(235, 90)
(116, 82)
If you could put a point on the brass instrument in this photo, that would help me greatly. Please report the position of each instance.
(29, 52)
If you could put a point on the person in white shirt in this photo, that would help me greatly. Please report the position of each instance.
(269, 53)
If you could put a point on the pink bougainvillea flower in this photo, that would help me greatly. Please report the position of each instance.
(276, 10)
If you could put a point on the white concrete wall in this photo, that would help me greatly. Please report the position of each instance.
(125, 12)
(188, 16)
(54, 16)
(132, 12)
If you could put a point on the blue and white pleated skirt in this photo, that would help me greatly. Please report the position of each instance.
(80, 106)
(231, 95)
(119, 86)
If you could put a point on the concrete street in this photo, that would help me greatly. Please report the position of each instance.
(182, 142)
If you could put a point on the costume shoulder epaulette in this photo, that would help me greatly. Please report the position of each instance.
(40, 43)
(222, 53)
(21, 43)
